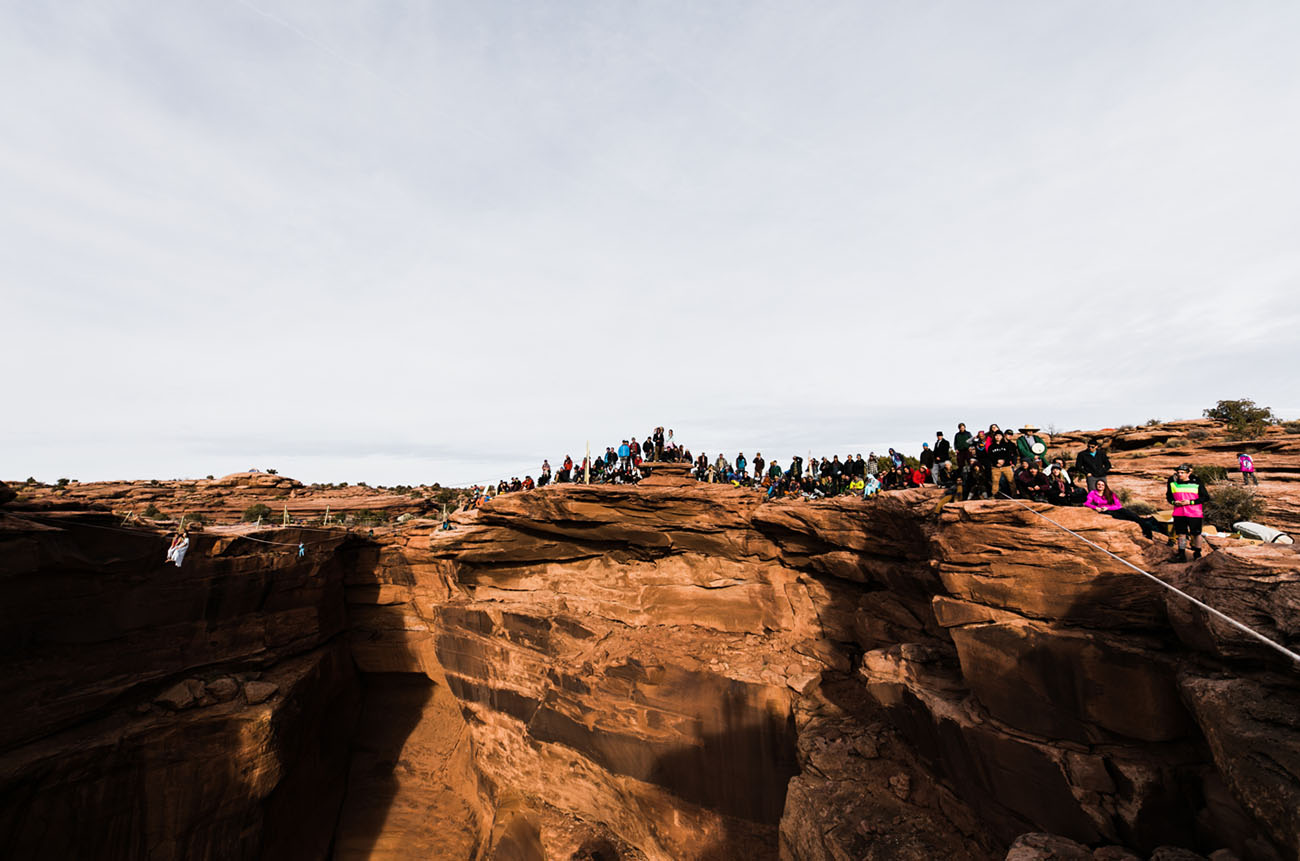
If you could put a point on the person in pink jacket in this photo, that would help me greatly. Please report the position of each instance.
(1102, 499)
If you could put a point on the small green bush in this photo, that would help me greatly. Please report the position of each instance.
(1230, 503)
(1197, 433)
(197, 517)
(1153, 423)
(255, 512)
(31, 481)
(152, 512)
(1210, 474)
(63, 482)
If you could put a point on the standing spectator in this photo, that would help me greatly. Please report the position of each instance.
(1093, 463)
(999, 458)
(942, 450)
(648, 449)
(659, 444)
(873, 464)
(1031, 446)
(1247, 465)
(741, 465)
(927, 458)
(774, 472)
(759, 463)
(962, 442)
(625, 456)
(1189, 496)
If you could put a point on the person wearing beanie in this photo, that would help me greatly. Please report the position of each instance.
(1189, 498)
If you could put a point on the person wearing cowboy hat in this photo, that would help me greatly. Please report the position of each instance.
(1031, 446)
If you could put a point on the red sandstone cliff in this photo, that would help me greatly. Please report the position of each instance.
(660, 672)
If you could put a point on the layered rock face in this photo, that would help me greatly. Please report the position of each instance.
(672, 670)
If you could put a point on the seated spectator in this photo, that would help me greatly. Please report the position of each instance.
(1030, 482)
(1101, 498)
(1060, 490)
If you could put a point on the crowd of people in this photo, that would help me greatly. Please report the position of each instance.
(975, 465)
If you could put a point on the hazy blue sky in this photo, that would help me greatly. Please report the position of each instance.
(404, 242)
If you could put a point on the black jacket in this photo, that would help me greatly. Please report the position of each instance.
(1093, 464)
(926, 458)
(941, 450)
(1000, 451)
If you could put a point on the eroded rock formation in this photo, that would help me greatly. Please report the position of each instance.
(668, 671)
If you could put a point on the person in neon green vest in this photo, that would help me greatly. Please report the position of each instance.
(1189, 497)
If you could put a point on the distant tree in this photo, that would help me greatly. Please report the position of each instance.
(63, 482)
(152, 512)
(272, 472)
(1243, 418)
(256, 511)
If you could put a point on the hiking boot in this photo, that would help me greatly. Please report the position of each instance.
(1196, 553)
(1180, 556)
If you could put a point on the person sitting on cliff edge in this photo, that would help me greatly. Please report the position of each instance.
(1102, 499)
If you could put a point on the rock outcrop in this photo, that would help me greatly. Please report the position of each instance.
(673, 670)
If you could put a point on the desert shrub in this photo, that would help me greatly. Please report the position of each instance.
(1291, 427)
(152, 512)
(367, 517)
(446, 496)
(1152, 423)
(256, 511)
(1140, 507)
(362, 484)
(1126, 428)
(1230, 503)
(63, 482)
(197, 517)
(1242, 417)
(1197, 433)
(209, 477)
(31, 481)
(272, 472)
(1124, 495)
(1210, 474)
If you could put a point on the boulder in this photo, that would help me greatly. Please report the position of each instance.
(259, 692)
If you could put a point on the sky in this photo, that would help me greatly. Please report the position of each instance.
(404, 242)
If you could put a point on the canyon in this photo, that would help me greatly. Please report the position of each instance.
(663, 671)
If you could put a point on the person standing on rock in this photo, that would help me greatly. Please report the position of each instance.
(1031, 446)
(659, 445)
(999, 458)
(625, 456)
(941, 453)
(1189, 497)
(927, 459)
(962, 442)
(1247, 466)
(742, 465)
(774, 471)
(759, 463)
(1093, 463)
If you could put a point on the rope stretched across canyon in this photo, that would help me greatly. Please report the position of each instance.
(1278, 647)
